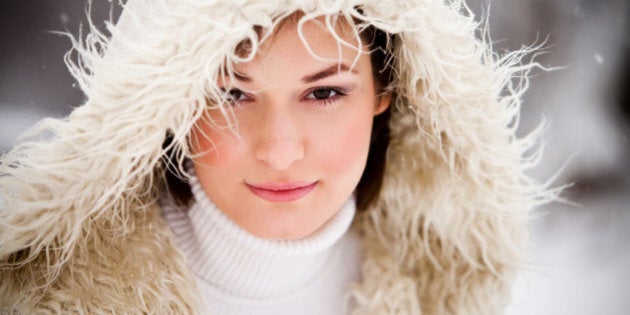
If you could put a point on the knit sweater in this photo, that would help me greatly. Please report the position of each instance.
(238, 273)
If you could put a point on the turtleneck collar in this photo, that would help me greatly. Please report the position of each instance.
(237, 263)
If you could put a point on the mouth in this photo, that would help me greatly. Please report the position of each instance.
(281, 192)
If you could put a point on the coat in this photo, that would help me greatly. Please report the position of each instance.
(81, 230)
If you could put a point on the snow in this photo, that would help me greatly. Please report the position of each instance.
(599, 59)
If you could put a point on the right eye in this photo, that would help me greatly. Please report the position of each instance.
(235, 96)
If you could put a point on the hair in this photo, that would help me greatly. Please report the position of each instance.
(369, 185)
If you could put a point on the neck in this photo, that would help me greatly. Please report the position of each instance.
(238, 263)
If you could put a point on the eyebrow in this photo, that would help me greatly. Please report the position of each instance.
(330, 71)
(241, 77)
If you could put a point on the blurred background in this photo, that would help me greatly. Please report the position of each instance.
(581, 252)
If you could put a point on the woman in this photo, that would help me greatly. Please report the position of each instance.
(225, 149)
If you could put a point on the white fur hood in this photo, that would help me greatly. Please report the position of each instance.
(81, 232)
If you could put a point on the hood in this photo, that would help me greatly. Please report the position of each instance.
(447, 231)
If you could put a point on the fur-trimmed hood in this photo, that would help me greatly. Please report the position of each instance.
(81, 231)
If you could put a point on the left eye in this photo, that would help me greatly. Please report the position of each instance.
(322, 94)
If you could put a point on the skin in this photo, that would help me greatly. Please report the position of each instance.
(299, 119)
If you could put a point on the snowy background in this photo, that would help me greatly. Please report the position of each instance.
(581, 253)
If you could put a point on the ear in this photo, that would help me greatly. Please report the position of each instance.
(383, 103)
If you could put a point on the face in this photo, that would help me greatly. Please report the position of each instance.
(303, 135)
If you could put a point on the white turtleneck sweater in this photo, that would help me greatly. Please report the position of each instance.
(238, 273)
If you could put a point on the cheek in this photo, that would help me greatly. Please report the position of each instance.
(218, 158)
(218, 161)
(344, 149)
(210, 146)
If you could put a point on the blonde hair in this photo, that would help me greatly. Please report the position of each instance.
(445, 236)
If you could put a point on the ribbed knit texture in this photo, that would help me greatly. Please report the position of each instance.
(236, 269)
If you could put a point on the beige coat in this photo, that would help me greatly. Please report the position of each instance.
(81, 231)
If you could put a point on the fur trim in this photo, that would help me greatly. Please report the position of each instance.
(448, 231)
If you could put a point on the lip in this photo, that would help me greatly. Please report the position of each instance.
(281, 191)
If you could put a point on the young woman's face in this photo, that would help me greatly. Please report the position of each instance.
(303, 135)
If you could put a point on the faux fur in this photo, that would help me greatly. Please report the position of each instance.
(80, 230)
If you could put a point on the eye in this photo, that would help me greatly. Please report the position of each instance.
(322, 93)
(236, 95)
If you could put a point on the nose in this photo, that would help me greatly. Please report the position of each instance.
(279, 142)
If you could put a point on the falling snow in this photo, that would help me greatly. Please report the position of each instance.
(64, 18)
(599, 59)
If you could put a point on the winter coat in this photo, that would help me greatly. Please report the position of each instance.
(81, 231)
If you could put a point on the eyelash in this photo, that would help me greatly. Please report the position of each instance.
(328, 101)
(339, 93)
(229, 98)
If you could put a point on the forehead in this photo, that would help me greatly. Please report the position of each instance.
(325, 38)
(328, 28)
